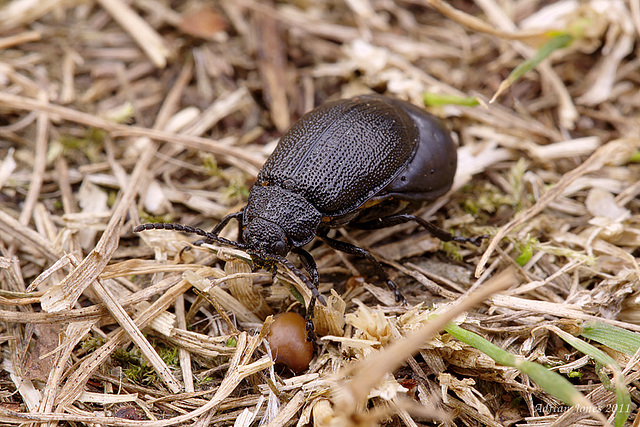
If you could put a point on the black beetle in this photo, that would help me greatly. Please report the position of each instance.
(366, 162)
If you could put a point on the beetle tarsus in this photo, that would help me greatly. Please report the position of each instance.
(477, 240)
(183, 250)
(309, 265)
(396, 292)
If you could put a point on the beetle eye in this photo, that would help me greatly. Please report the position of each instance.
(280, 248)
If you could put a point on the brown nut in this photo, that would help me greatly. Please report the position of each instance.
(288, 341)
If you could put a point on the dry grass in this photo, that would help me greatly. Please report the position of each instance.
(112, 111)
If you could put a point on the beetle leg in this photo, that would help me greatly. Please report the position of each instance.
(218, 228)
(402, 218)
(240, 225)
(313, 288)
(308, 318)
(224, 221)
(355, 250)
(309, 265)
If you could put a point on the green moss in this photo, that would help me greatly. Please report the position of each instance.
(635, 157)
(138, 370)
(452, 250)
(91, 145)
(147, 217)
(574, 374)
(236, 192)
(170, 356)
(485, 198)
(516, 182)
(92, 343)
(210, 165)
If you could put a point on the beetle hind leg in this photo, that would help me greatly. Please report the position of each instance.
(348, 248)
(402, 218)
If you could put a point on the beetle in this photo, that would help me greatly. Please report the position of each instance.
(365, 162)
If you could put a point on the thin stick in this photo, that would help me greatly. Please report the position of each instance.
(146, 37)
(39, 164)
(16, 102)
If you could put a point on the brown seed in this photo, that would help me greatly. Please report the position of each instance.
(288, 341)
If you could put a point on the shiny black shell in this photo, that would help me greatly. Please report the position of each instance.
(364, 162)
(346, 153)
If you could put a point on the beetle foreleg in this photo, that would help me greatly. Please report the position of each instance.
(222, 224)
(312, 287)
(402, 218)
(308, 318)
(224, 221)
(309, 264)
(355, 250)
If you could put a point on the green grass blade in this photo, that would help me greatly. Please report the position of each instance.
(623, 404)
(551, 382)
(557, 42)
(586, 348)
(436, 100)
(618, 339)
(623, 399)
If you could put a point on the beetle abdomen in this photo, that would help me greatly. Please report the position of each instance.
(431, 171)
(343, 153)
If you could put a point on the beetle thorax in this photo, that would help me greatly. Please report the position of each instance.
(275, 220)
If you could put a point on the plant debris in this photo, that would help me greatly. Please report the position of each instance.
(116, 113)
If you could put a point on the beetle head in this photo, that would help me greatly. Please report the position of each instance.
(265, 237)
(276, 219)
(266, 241)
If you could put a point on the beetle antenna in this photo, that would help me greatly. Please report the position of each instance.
(212, 237)
(208, 236)
(313, 288)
